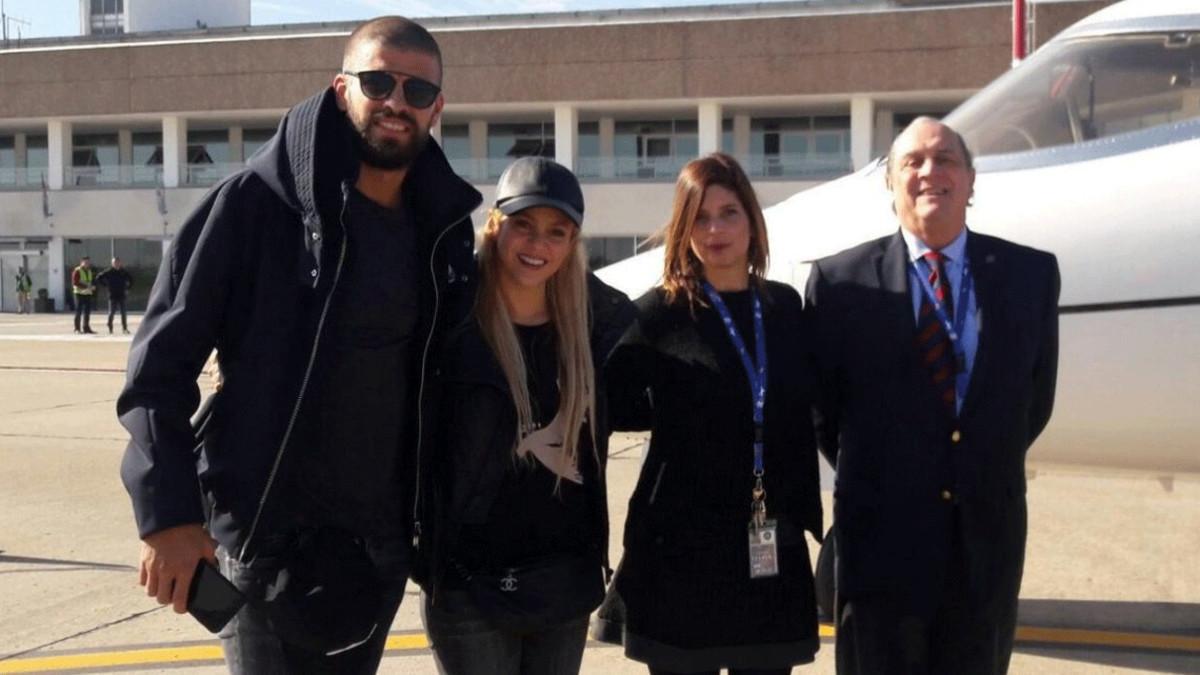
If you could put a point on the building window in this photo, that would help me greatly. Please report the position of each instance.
(208, 156)
(507, 142)
(107, 17)
(147, 158)
(37, 158)
(603, 251)
(799, 147)
(253, 139)
(653, 149)
(456, 144)
(95, 160)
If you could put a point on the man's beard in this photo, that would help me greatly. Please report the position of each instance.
(388, 155)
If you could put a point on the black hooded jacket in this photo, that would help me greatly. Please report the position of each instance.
(251, 273)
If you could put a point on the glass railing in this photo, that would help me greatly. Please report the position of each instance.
(210, 173)
(478, 170)
(796, 166)
(631, 168)
(22, 178)
(117, 175)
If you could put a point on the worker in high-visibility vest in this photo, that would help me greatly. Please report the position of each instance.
(83, 285)
(24, 287)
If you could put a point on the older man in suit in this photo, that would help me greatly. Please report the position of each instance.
(938, 351)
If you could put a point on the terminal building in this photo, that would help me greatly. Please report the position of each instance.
(108, 139)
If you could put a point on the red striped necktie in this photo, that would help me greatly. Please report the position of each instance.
(933, 342)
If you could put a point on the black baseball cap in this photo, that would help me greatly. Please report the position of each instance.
(539, 181)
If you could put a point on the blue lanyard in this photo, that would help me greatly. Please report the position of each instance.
(954, 329)
(757, 376)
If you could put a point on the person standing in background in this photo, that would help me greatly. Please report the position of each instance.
(83, 287)
(118, 281)
(24, 286)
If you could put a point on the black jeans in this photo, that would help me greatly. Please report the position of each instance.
(465, 642)
(83, 309)
(113, 304)
(252, 648)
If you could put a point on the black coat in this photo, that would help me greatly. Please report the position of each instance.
(904, 465)
(118, 281)
(473, 439)
(684, 580)
(251, 273)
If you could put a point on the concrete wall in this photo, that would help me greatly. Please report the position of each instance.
(894, 51)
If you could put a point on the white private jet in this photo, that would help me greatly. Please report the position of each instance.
(1089, 149)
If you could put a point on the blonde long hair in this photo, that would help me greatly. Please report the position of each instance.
(567, 300)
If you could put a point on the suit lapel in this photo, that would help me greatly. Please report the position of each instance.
(984, 265)
(893, 278)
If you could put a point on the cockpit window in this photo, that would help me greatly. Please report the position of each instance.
(1080, 90)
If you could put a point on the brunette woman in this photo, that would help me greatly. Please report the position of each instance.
(716, 572)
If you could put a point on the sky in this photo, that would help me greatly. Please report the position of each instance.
(47, 18)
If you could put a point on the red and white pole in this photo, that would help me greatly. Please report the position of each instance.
(1018, 32)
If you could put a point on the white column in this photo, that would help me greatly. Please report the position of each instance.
(174, 141)
(862, 127)
(237, 153)
(124, 147)
(54, 282)
(708, 126)
(435, 131)
(883, 132)
(741, 137)
(608, 147)
(566, 135)
(477, 131)
(125, 155)
(58, 144)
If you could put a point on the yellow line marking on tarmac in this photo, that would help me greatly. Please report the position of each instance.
(403, 642)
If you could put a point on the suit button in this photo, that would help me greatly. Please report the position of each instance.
(955, 436)
(947, 495)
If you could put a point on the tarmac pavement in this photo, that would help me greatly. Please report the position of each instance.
(1112, 576)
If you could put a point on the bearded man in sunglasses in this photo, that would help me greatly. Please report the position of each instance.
(324, 275)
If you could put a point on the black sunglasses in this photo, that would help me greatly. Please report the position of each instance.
(379, 84)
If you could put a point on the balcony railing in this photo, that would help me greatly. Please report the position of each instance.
(478, 170)
(796, 166)
(210, 173)
(22, 178)
(116, 175)
(631, 168)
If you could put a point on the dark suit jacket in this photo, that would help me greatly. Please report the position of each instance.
(904, 465)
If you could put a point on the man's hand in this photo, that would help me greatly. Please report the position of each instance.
(169, 560)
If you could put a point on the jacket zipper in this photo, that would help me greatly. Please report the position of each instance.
(312, 358)
(657, 481)
(416, 517)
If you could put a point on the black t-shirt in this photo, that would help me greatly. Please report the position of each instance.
(360, 410)
(529, 519)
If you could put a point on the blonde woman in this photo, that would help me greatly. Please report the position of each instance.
(519, 513)
(716, 571)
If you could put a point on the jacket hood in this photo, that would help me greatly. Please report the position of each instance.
(313, 153)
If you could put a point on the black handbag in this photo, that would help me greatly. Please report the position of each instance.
(539, 594)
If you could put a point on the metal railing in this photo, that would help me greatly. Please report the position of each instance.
(115, 175)
(22, 178)
(630, 168)
(210, 173)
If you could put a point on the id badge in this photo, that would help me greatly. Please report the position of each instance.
(764, 551)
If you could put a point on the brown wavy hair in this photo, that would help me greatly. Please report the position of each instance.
(682, 270)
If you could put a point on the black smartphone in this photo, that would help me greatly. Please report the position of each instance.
(212, 598)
